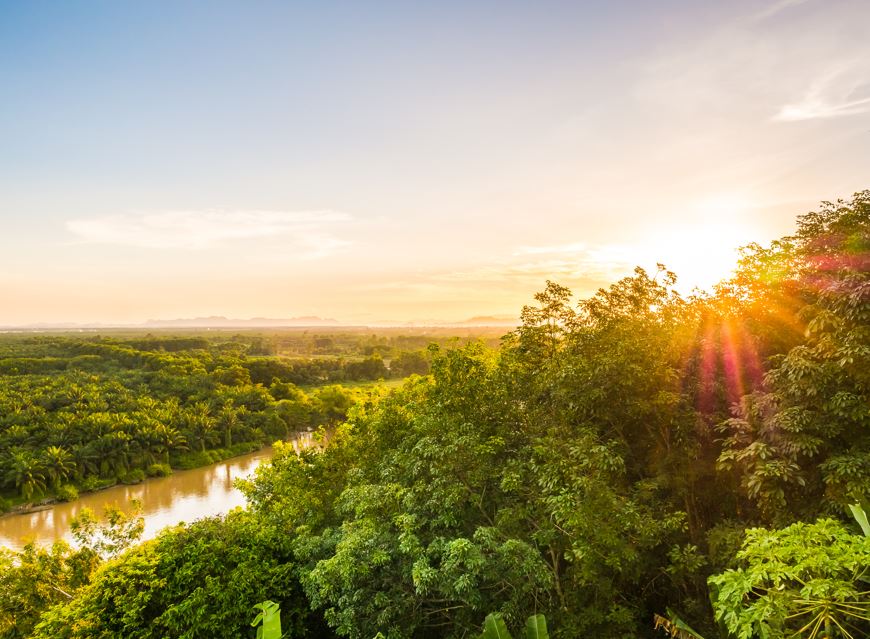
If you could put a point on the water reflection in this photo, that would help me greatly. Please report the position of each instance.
(183, 496)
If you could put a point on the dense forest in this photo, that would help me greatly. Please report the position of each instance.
(633, 454)
(81, 413)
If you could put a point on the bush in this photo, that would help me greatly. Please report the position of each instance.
(193, 460)
(95, 483)
(5, 505)
(243, 448)
(67, 492)
(134, 476)
(159, 470)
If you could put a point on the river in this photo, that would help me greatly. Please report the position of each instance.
(184, 495)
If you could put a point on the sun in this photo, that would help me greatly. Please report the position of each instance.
(704, 250)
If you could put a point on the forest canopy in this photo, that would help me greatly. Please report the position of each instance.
(83, 412)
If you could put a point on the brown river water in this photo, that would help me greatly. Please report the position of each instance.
(182, 497)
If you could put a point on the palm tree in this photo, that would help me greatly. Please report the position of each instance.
(87, 460)
(164, 439)
(229, 419)
(111, 451)
(25, 472)
(59, 464)
(202, 425)
(17, 435)
(61, 429)
(118, 448)
(146, 439)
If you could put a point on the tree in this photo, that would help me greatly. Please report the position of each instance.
(228, 419)
(544, 326)
(59, 464)
(26, 472)
(202, 425)
(806, 580)
(201, 580)
(37, 578)
(332, 402)
(166, 439)
(802, 445)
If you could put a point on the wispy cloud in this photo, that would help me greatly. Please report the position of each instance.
(812, 108)
(307, 231)
(775, 8)
(575, 264)
(843, 90)
(535, 273)
(602, 259)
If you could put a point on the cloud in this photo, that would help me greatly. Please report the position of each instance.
(601, 260)
(530, 266)
(308, 231)
(775, 8)
(814, 108)
(535, 273)
(843, 90)
(308, 245)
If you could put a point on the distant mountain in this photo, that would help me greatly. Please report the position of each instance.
(218, 321)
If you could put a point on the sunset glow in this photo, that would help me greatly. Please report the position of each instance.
(429, 164)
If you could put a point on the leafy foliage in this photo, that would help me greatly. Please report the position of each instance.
(37, 578)
(268, 620)
(804, 580)
(802, 444)
(194, 581)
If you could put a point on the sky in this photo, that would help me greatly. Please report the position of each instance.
(379, 162)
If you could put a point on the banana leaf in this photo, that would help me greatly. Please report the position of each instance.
(495, 628)
(861, 517)
(536, 627)
(675, 627)
(270, 618)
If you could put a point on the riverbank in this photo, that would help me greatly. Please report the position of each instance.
(183, 496)
(184, 462)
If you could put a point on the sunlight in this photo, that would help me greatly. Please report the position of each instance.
(706, 252)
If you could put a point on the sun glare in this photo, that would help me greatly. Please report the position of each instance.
(705, 252)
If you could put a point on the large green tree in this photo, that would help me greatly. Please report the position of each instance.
(801, 445)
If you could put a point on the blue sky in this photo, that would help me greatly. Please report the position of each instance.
(395, 161)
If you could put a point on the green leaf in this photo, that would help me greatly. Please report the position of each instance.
(536, 627)
(861, 517)
(675, 627)
(270, 617)
(495, 628)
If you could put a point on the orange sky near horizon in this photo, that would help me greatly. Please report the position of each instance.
(386, 164)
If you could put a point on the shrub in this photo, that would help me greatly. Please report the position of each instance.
(242, 448)
(159, 470)
(192, 460)
(96, 483)
(134, 476)
(67, 492)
